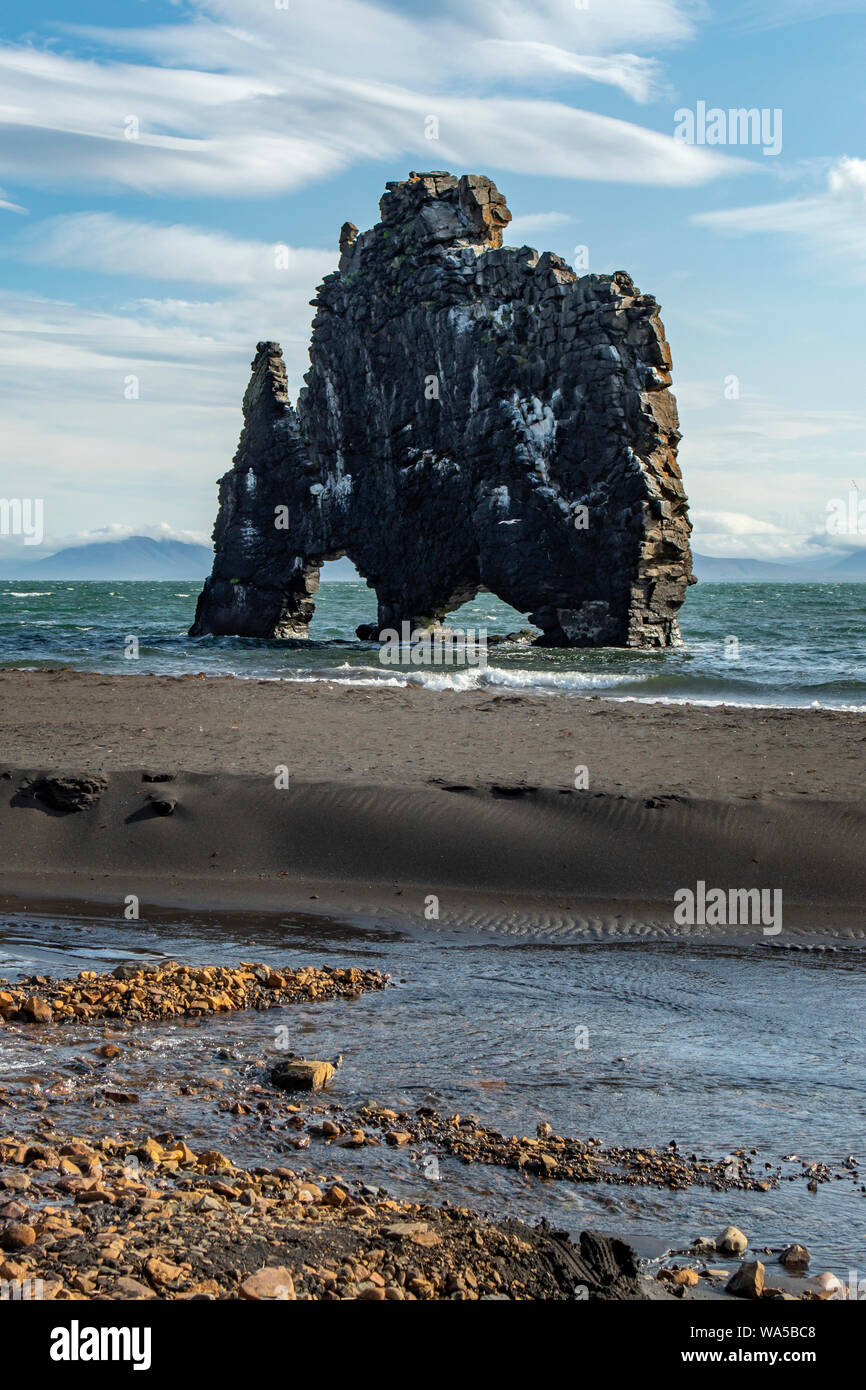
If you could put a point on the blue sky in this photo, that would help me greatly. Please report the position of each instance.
(255, 124)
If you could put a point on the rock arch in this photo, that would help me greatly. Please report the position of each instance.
(474, 417)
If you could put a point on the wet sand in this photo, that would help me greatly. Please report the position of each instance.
(415, 803)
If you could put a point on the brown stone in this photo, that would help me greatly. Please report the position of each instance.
(795, 1259)
(427, 1239)
(273, 1282)
(747, 1281)
(213, 1161)
(302, 1075)
(732, 1241)
(17, 1235)
(127, 1288)
(162, 1271)
(150, 1151)
(37, 1010)
(404, 1229)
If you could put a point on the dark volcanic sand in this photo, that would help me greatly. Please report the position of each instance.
(395, 795)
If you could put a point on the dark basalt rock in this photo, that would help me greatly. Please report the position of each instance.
(475, 417)
(67, 794)
(607, 1266)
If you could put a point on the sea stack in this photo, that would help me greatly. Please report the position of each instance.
(475, 417)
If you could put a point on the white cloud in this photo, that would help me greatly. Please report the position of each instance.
(738, 535)
(841, 545)
(119, 531)
(734, 524)
(96, 451)
(123, 246)
(261, 101)
(830, 226)
(636, 77)
(534, 223)
(723, 546)
(594, 29)
(756, 15)
(781, 463)
(6, 206)
(450, 39)
(15, 551)
(237, 101)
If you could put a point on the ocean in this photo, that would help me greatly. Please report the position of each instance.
(749, 644)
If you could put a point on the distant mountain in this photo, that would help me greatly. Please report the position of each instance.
(853, 567)
(733, 570)
(720, 569)
(138, 557)
(141, 557)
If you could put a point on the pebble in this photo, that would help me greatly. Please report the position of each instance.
(747, 1281)
(732, 1241)
(302, 1075)
(270, 1283)
(795, 1259)
(169, 990)
(17, 1235)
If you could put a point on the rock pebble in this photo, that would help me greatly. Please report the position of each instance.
(170, 990)
(190, 1225)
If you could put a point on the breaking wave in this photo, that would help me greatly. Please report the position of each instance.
(789, 645)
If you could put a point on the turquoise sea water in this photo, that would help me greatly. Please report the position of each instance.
(796, 644)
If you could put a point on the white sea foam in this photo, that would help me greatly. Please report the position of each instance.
(469, 678)
(717, 702)
(612, 687)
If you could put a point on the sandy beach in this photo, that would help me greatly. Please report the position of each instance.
(387, 797)
(410, 830)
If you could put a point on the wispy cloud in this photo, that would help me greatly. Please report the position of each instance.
(125, 246)
(830, 225)
(636, 77)
(261, 101)
(535, 224)
(6, 206)
(734, 524)
(752, 16)
(120, 531)
(739, 535)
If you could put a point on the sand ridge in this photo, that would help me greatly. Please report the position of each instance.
(285, 795)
